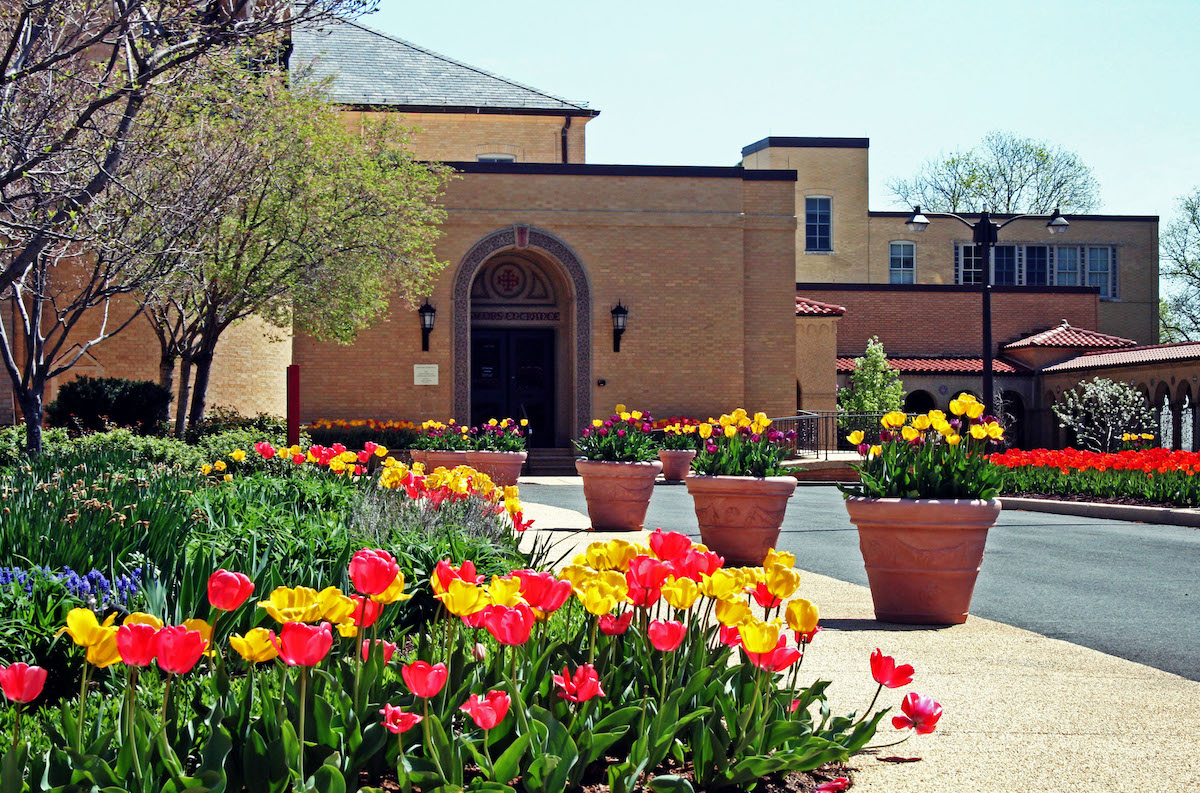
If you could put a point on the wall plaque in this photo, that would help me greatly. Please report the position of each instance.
(425, 374)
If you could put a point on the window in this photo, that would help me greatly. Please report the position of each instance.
(1037, 265)
(496, 158)
(902, 263)
(818, 223)
(1099, 270)
(1004, 265)
(1066, 267)
(969, 269)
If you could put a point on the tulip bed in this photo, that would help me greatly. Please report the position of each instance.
(1156, 476)
(613, 671)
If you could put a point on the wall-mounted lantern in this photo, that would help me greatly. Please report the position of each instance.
(620, 316)
(427, 313)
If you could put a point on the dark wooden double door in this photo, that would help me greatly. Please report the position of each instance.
(512, 375)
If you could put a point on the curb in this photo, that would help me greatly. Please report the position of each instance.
(1173, 516)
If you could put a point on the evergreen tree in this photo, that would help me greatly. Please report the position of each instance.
(875, 386)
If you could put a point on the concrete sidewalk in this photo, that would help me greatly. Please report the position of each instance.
(1021, 711)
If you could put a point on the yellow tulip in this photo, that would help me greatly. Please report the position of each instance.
(394, 592)
(856, 437)
(493, 422)
(909, 434)
(463, 599)
(238, 455)
(758, 636)
(762, 420)
(597, 423)
(978, 432)
(936, 415)
(219, 465)
(255, 646)
(336, 607)
(1146, 436)
(779, 557)
(732, 612)
(636, 414)
(680, 593)
(206, 469)
(995, 431)
(721, 585)
(598, 600)
(505, 592)
(957, 407)
(975, 410)
(619, 409)
(874, 451)
(705, 431)
(85, 629)
(347, 630)
(782, 582)
(199, 626)
(893, 420)
(104, 653)
(626, 416)
(802, 615)
(613, 583)
(730, 431)
(142, 618)
(921, 423)
(752, 576)
(288, 604)
(954, 439)
(578, 575)
(228, 477)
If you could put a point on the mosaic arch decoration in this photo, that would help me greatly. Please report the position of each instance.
(522, 237)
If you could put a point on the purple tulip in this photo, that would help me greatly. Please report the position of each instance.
(621, 433)
(603, 431)
(885, 436)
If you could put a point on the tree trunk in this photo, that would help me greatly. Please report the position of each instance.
(33, 410)
(181, 405)
(166, 372)
(203, 363)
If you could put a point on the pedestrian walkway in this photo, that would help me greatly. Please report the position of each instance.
(1022, 711)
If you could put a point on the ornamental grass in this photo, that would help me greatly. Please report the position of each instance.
(633, 663)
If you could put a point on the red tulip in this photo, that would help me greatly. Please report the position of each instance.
(763, 596)
(373, 571)
(397, 721)
(646, 571)
(806, 637)
(388, 649)
(228, 591)
(730, 635)
(666, 635)
(366, 611)
(489, 711)
(298, 459)
(920, 712)
(137, 643)
(445, 572)
(669, 545)
(886, 673)
(265, 449)
(694, 564)
(543, 591)
(22, 683)
(834, 785)
(581, 686)
(304, 645)
(177, 648)
(795, 705)
(613, 625)
(369, 448)
(424, 680)
(778, 659)
(509, 625)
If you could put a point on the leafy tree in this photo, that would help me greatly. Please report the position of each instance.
(1005, 173)
(1181, 267)
(875, 386)
(1100, 411)
(329, 225)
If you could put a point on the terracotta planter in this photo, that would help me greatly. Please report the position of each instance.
(418, 456)
(740, 516)
(502, 467)
(441, 458)
(676, 463)
(922, 555)
(617, 494)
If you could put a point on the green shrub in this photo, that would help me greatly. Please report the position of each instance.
(91, 404)
(223, 419)
(136, 449)
(220, 445)
(12, 443)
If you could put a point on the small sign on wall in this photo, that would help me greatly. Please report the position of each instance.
(425, 374)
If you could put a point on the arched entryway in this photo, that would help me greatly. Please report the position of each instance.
(522, 333)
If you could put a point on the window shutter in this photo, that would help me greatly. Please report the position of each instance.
(1020, 274)
(1112, 272)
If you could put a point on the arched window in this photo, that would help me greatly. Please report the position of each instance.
(495, 158)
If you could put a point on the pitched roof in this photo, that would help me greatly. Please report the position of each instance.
(806, 305)
(1152, 353)
(939, 364)
(1066, 335)
(370, 67)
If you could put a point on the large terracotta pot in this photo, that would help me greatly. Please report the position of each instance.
(922, 555)
(676, 463)
(441, 458)
(617, 494)
(418, 456)
(502, 467)
(740, 516)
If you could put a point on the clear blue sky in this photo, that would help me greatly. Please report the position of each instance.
(691, 83)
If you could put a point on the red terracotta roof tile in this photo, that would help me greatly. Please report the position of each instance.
(1151, 353)
(1066, 335)
(938, 365)
(806, 305)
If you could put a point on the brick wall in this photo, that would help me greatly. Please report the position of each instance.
(920, 322)
(816, 369)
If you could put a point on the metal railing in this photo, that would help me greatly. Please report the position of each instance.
(822, 432)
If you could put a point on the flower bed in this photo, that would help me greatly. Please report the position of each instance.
(676, 672)
(1154, 476)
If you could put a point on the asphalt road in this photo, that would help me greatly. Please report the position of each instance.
(1127, 589)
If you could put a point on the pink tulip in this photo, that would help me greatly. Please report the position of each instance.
(920, 712)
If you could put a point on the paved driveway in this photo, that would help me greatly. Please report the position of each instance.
(1128, 589)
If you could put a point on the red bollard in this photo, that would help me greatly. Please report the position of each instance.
(293, 404)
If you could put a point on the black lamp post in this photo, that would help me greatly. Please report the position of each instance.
(984, 234)
(620, 315)
(427, 313)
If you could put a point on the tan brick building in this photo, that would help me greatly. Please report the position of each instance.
(745, 285)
